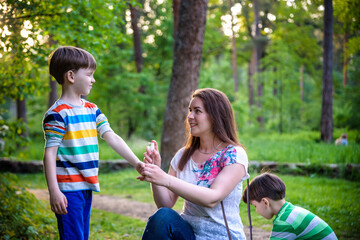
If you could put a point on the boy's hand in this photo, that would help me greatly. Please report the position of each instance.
(58, 203)
(140, 167)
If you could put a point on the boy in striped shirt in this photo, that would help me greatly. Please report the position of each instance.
(267, 194)
(71, 156)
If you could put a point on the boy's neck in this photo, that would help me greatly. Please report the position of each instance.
(73, 99)
(276, 205)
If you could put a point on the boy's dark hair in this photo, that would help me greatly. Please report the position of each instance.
(67, 58)
(265, 185)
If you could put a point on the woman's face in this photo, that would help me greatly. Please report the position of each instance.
(198, 119)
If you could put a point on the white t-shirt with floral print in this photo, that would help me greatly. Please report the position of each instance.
(208, 223)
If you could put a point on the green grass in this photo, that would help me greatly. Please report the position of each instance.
(334, 200)
(302, 147)
(301, 152)
(108, 225)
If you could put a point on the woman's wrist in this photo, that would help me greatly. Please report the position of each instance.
(168, 181)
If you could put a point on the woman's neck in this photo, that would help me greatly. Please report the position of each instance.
(210, 145)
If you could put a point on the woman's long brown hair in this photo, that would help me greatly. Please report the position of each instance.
(218, 106)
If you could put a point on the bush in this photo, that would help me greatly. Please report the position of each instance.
(22, 216)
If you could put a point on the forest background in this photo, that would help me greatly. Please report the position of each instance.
(267, 56)
(133, 43)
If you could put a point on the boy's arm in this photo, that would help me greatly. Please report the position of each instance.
(58, 201)
(120, 146)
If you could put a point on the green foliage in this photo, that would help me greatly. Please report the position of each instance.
(11, 137)
(29, 180)
(347, 101)
(135, 102)
(22, 215)
(348, 13)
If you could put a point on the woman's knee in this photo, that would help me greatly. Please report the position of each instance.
(164, 215)
(167, 224)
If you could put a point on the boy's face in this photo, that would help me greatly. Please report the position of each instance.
(263, 208)
(83, 80)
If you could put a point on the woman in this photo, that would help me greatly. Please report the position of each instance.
(209, 169)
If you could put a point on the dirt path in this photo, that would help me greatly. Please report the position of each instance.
(134, 209)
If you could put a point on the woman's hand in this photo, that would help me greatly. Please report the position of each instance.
(152, 156)
(154, 174)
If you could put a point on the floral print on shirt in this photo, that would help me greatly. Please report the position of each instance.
(207, 172)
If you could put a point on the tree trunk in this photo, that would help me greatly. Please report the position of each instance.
(256, 58)
(21, 114)
(252, 70)
(275, 90)
(326, 111)
(185, 75)
(139, 62)
(137, 42)
(131, 128)
(234, 53)
(176, 13)
(259, 103)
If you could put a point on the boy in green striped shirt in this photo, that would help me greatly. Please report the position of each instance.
(267, 194)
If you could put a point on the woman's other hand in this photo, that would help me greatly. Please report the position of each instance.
(152, 156)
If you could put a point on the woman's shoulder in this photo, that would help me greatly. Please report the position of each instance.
(180, 152)
(235, 148)
(175, 160)
(236, 152)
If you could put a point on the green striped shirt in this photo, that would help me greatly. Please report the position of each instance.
(294, 222)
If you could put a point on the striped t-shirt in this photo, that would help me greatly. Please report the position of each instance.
(293, 222)
(74, 130)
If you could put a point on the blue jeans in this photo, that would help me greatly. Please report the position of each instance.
(167, 224)
(76, 223)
